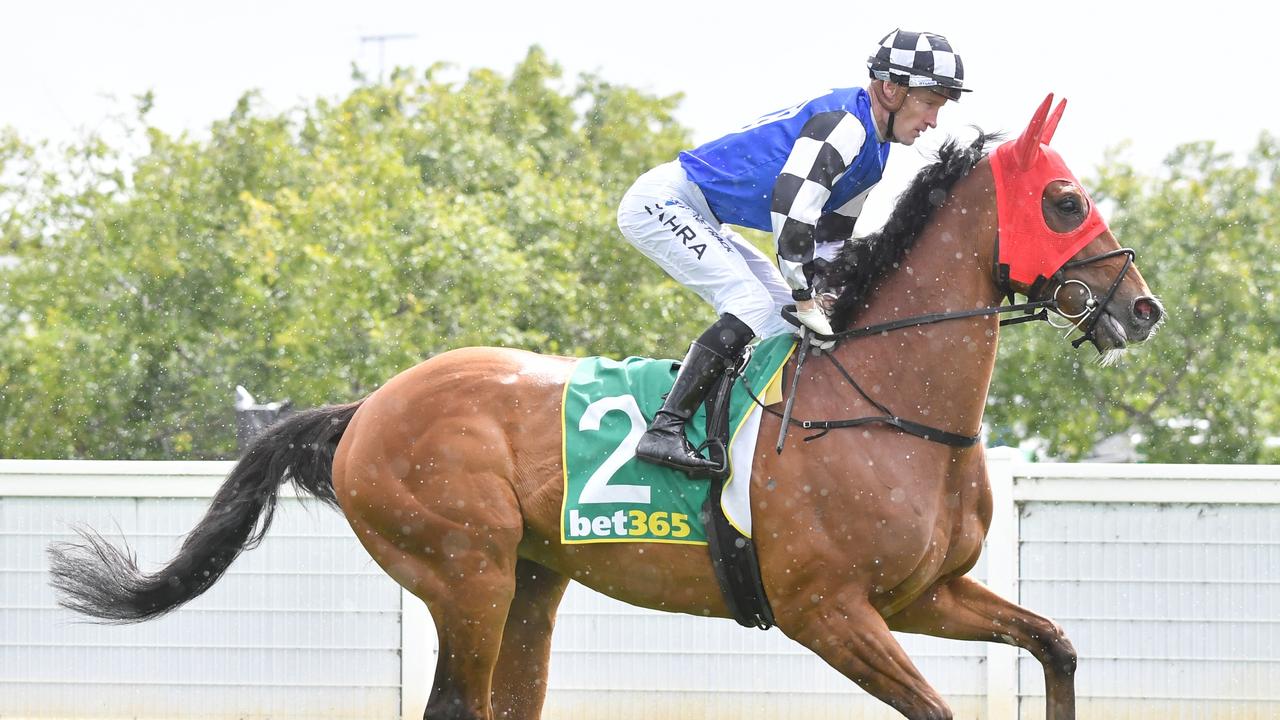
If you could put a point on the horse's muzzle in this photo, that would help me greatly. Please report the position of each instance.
(1144, 315)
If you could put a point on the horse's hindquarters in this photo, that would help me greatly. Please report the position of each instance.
(434, 467)
(436, 473)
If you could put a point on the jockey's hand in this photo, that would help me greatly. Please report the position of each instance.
(815, 318)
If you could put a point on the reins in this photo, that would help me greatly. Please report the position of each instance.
(1033, 310)
(889, 417)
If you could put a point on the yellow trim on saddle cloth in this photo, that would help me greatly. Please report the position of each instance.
(772, 395)
(773, 391)
(564, 442)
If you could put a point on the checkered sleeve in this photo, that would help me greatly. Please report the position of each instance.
(827, 146)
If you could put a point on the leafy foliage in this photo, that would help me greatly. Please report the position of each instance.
(315, 253)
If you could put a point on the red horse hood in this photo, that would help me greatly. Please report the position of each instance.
(1022, 169)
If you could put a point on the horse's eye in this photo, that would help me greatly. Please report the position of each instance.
(1069, 206)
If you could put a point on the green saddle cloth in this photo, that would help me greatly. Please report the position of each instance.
(610, 495)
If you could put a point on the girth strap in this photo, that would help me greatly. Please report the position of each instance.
(733, 555)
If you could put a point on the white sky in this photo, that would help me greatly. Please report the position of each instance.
(1154, 74)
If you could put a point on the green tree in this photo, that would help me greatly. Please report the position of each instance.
(1205, 388)
(315, 253)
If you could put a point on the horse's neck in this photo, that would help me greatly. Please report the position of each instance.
(938, 374)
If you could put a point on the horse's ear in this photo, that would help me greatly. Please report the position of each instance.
(1049, 127)
(1028, 145)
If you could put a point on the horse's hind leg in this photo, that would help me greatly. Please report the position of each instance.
(963, 609)
(469, 628)
(853, 638)
(458, 555)
(520, 679)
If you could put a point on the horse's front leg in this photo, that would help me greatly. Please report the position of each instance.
(852, 637)
(963, 609)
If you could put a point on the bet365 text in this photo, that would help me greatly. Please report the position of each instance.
(629, 523)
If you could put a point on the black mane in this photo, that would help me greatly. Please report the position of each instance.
(863, 261)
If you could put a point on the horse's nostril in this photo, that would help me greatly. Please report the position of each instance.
(1146, 310)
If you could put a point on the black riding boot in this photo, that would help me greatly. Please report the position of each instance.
(664, 442)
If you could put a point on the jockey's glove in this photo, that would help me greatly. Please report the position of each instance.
(815, 318)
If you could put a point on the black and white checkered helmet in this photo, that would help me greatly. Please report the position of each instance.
(918, 59)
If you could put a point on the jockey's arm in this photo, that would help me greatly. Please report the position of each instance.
(827, 146)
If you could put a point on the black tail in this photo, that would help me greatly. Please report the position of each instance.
(103, 581)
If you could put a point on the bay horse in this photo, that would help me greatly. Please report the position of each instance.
(450, 474)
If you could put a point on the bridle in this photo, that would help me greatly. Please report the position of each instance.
(1046, 289)
(1092, 312)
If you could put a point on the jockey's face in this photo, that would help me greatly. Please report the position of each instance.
(918, 113)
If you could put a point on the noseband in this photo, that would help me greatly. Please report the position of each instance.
(1087, 319)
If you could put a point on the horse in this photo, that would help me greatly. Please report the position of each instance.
(450, 474)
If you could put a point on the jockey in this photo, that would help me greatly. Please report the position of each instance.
(803, 172)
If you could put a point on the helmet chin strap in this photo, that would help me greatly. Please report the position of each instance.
(883, 99)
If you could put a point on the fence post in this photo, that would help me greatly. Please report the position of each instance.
(253, 417)
(1002, 578)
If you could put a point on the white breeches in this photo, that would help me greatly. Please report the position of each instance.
(666, 217)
